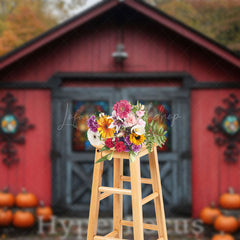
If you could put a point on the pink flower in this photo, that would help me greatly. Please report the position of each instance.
(141, 122)
(140, 113)
(130, 120)
(122, 108)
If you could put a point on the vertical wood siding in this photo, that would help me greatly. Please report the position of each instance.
(211, 174)
(151, 47)
(34, 168)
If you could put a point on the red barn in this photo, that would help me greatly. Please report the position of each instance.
(72, 68)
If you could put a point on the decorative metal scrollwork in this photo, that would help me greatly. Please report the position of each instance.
(12, 126)
(226, 127)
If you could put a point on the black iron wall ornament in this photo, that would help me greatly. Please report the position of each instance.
(226, 127)
(12, 126)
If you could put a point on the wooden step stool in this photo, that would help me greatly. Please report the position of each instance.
(100, 192)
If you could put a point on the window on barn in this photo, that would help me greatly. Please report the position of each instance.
(81, 112)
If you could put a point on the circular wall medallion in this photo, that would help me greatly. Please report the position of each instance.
(9, 124)
(230, 124)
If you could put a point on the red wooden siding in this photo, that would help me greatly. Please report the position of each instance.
(211, 175)
(34, 168)
(151, 47)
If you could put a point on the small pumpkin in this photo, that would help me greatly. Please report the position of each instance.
(23, 219)
(222, 236)
(6, 199)
(26, 200)
(227, 224)
(6, 217)
(230, 200)
(44, 211)
(209, 214)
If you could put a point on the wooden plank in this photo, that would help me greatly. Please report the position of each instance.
(158, 201)
(136, 199)
(115, 190)
(117, 198)
(104, 195)
(143, 180)
(149, 198)
(106, 238)
(112, 234)
(95, 195)
(145, 225)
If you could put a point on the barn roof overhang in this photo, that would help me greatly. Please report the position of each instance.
(101, 8)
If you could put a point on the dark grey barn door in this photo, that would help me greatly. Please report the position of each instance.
(73, 164)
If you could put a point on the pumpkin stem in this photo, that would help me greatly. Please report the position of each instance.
(212, 204)
(24, 190)
(6, 189)
(222, 233)
(41, 203)
(231, 190)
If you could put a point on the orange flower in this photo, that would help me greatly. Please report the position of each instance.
(104, 129)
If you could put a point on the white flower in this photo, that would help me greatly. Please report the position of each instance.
(94, 138)
(101, 114)
(138, 129)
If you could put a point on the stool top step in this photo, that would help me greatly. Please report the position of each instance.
(124, 155)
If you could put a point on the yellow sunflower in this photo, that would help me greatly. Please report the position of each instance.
(104, 129)
(136, 139)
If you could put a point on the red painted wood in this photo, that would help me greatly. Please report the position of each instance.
(183, 31)
(34, 168)
(162, 19)
(151, 47)
(58, 32)
(211, 175)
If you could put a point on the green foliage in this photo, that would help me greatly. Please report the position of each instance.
(132, 156)
(154, 135)
(106, 157)
(217, 19)
(20, 21)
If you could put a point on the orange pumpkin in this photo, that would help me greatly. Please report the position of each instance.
(23, 219)
(227, 224)
(6, 217)
(209, 214)
(230, 200)
(222, 236)
(6, 199)
(26, 200)
(44, 212)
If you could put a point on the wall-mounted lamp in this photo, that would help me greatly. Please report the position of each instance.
(120, 55)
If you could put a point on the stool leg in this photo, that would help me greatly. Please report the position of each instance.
(158, 202)
(94, 206)
(136, 199)
(117, 198)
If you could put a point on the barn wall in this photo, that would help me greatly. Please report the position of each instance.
(33, 171)
(211, 174)
(89, 49)
(151, 48)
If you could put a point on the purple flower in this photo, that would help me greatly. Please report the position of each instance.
(136, 148)
(92, 123)
(126, 149)
(127, 140)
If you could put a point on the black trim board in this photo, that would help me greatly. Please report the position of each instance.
(57, 79)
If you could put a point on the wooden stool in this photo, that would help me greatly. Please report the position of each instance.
(100, 192)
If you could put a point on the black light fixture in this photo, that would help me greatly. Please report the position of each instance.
(120, 55)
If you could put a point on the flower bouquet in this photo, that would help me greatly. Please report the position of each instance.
(128, 129)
